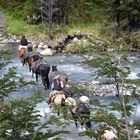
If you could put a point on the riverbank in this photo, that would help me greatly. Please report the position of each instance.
(100, 88)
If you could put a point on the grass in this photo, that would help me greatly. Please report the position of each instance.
(18, 27)
(91, 28)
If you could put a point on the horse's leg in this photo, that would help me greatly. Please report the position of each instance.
(88, 124)
(82, 125)
(36, 77)
(32, 73)
(29, 65)
(47, 81)
(29, 68)
(58, 113)
(75, 119)
(23, 62)
(76, 124)
(87, 121)
(44, 82)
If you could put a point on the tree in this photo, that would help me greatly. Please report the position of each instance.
(19, 117)
(108, 65)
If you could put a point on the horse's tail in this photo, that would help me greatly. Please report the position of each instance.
(62, 102)
(46, 73)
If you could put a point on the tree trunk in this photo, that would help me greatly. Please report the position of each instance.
(117, 11)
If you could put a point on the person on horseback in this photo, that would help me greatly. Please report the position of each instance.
(57, 96)
(57, 84)
(57, 87)
(23, 43)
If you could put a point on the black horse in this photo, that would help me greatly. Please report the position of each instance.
(43, 70)
(82, 114)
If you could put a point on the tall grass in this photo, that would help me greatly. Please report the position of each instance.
(84, 28)
(19, 27)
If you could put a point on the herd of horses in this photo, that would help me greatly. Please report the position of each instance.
(41, 68)
(79, 109)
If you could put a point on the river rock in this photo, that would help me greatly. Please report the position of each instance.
(40, 45)
(45, 46)
(47, 51)
(75, 39)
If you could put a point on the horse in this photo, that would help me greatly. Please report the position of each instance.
(54, 72)
(80, 111)
(24, 53)
(35, 65)
(32, 58)
(43, 69)
(21, 54)
(57, 98)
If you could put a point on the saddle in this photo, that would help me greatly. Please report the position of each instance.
(27, 54)
(53, 95)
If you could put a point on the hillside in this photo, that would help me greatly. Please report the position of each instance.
(110, 20)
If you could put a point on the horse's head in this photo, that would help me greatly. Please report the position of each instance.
(54, 68)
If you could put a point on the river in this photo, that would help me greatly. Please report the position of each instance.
(78, 73)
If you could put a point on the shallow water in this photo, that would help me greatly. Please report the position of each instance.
(77, 73)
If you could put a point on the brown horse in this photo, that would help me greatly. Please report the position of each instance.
(21, 54)
(32, 58)
(54, 72)
(24, 53)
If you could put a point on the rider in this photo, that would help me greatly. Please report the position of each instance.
(57, 84)
(56, 88)
(23, 43)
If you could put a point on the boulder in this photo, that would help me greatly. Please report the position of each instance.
(48, 52)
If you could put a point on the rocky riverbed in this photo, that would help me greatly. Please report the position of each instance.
(98, 87)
